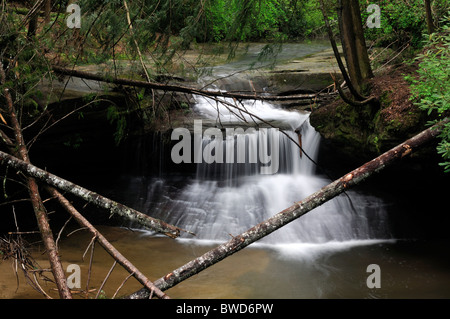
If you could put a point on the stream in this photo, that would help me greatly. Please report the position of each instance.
(324, 254)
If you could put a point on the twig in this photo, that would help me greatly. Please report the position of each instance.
(90, 265)
(90, 243)
(61, 230)
(123, 283)
(76, 230)
(403, 49)
(22, 232)
(106, 278)
(40, 288)
(106, 244)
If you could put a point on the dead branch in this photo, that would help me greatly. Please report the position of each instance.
(106, 244)
(15, 248)
(184, 89)
(337, 55)
(106, 278)
(292, 213)
(91, 197)
(36, 201)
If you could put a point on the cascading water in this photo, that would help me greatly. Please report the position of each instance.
(226, 197)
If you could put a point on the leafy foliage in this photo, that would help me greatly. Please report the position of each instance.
(115, 115)
(402, 21)
(431, 89)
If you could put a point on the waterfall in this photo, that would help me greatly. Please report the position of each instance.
(229, 193)
(225, 199)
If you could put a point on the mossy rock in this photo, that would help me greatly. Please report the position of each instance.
(372, 129)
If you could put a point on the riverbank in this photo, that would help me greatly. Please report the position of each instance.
(373, 129)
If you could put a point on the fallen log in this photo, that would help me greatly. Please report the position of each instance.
(20, 149)
(184, 89)
(290, 214)
(89, 196)
(106, 244)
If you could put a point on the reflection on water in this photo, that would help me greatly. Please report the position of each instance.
(332, 270)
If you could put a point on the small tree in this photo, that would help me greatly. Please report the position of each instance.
(354, 43)
(429, 16)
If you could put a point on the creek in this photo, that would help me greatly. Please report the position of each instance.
(324, 254)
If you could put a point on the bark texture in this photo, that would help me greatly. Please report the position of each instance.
(21, 151)
(107, 245)
(91, 197)
(429, 16)
(354, 43)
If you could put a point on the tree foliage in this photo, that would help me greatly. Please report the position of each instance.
(402, 21)
(431, 87)
(261, 19)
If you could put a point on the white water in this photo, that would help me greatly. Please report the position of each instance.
(226, 199)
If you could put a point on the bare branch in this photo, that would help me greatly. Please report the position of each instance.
(105, 243)
(293, 212)
(183, 89)
(91, 197)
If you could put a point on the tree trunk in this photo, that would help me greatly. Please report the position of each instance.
(38, 207)
(32, 27)
(354, 92)
(429, 16)
(354, 43)
(47, 11)
(33, 16)
(290, 214)
(91, 197)
(184, 89)
(106, 244)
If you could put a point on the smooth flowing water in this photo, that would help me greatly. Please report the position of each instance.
(323, 254)
(226, 198)
(250, 172)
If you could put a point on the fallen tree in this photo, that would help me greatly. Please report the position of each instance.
(125, 263)
(184, 89)
(241, 241)
(91, 197)
(292, 213)
(19, 148)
